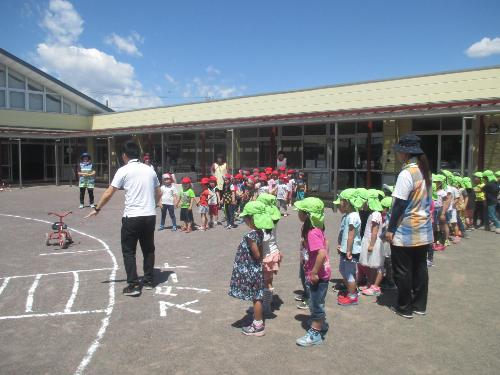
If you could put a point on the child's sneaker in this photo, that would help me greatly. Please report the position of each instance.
(438, 247)
(92, 205)
(372, 291)
(174, 228)
(161, 228)
(430, 263)
(347, 301)
(312, 337)
(253, 330)
(446, 243)
(80, 206)
(299, 298)
(303, 305)
(456, 240)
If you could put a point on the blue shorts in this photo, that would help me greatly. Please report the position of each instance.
(317, 296)
(348, 268)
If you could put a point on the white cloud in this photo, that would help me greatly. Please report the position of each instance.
(127, 44)
(198, 88)
(89, 70)
(485, 47)
(62, 22)
(212, 71)
(170, 79)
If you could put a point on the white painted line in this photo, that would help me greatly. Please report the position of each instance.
(111, 292)
(174, 278)
(58, 273)
(199, 290)
(71, 252)
(31, 292)
(165, 291)
(168, 266)
(52, 314)
(183, 307)
(164, 307)
(72, 297)
(4, 284)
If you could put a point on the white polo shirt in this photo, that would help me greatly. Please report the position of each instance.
(139, 182)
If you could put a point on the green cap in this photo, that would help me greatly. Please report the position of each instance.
(489, 175)
(438, 178)
(446, 173)
(270, 201)
(497, 173)
(315, 208)
(434, 193)
(386, 202)
(261, 218)
(467, 182)
(354, 197)
(373, 199)
(478, 174)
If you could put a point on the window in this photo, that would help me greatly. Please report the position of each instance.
(265, 132)
(2, 98)
(315, 129)
(265, 159)
(16, 81)
(2, 76)
(69, 107)
(189, 136)
(53, 103)
(314, 155)
(346, 153)
(83, 111)
(291, 131)
(345, 128)
(248, 133)
(426, 124)
(17, 100)
(293, 153)
(362, 127)
(248, 154)
(35, 102)
(32, 86)
(346, 180)
(451, 123)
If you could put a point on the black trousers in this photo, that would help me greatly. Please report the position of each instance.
(142, 229)
(82, 195)
(479, 213)
(410, 275)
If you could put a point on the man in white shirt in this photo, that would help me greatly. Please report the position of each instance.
(142, 195)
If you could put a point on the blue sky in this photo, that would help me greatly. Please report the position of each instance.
(148, 53)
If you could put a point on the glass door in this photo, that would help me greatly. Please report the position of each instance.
(430, 145)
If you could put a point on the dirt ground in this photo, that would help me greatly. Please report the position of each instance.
(62, 311)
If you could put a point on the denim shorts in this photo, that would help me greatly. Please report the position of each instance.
(317, 296)
(348, 268)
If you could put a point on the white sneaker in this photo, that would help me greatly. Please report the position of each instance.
(497, 231)
(81, 206)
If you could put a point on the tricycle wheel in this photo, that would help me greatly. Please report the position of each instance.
(47, 239)
(62, 241)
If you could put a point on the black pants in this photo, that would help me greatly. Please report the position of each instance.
(229, 210)
(171, 213)
(411, 277)
(142, 229)
(479, 214)
(82, 195)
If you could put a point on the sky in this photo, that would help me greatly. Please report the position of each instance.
(137, 54)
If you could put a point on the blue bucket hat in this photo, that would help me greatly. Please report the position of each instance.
(408, 144)
(85, 154)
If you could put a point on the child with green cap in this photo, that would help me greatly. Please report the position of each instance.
(247, 280)
(349, 246)
(388, 281)
(371, 258)
(491, 190)
(272, 257)
(479, 211)
(317, 266)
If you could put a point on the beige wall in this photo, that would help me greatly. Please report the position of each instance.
(492, 145)
(460, 86)
(43, 120)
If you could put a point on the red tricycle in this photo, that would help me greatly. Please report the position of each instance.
(60, 231)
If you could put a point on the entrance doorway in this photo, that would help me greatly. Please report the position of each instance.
(32, 162)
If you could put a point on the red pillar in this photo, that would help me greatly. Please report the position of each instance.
(369, 155)
(481, 145)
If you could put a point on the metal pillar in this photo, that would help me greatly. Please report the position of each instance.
(56, 158)
(162, 153)
(109, 160)
(464, 140)
(336, 162)
(20, 163)
(369, 156)
(70, 150)
(481, 145)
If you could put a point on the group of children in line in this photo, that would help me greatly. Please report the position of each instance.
(230, 196)
(365, 256)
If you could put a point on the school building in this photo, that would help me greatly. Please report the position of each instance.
(340, 135)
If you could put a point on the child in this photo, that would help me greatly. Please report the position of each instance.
(282, 192)
(350, 244)
(388, 281)
(371, 257)
(292, 186)
(247, 280)
(213, 202)
(317, 267)
(263, 188)
(186, 201)
(229, 200)
(301, 187)
(441, 204)
(271, 254)
(169, 195)
(273, 182)
(203, 203)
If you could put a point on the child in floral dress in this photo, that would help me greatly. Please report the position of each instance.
(247, 279)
